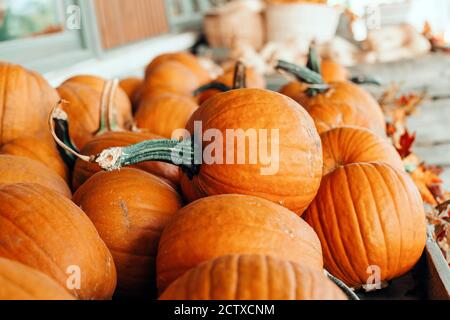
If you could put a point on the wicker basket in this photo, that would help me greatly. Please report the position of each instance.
(238, 23)
(290, 21)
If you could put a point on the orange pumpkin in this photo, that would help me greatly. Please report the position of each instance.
(84, 108)
(346, 145)
(164, 114)
(333, 71)
(25, 102)
(233, 224)
(129, 209)
(84, 170)
(131, 86)
(39, 150)
(370, 220)
(15, 169)
(187, 59)
(252, 277)
(335, 104)
(19, 282)
(48, 232)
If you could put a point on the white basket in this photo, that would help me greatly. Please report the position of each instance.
(308, 22)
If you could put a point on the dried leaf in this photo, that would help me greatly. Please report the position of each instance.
(405, 144)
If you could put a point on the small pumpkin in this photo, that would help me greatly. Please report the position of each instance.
(347, 145)
(25, 102)
(130, 208)
(333, 72)
(84, 107)
(40, 150)
(84, 170)
(164, 114)
(369, 218)
(187, 59)
(16, 169)
(252, 277)
(131, 86)
(19, 282)
(233, 224)
(48, 232)
(333, 104)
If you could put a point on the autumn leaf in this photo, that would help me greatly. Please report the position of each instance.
(428, 183)
(405, 144)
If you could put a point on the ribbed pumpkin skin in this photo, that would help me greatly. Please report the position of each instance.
(39, 150)
(252, 277)
(345, 104)
(19, 282)
(297, 179)
(187, 59)
(130, 208)
(233, 224)
(45, 231)
(25, 103)
(15, 169)
(368, 214)
(347, 145)
(83, 110)
(165, 114)
(131, 86)
(333, 72)
(84, 170)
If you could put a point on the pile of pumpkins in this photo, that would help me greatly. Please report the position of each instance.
(340, 200)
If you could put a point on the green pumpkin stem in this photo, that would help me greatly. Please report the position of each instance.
(212, 86)
(313, 60)
(240, 76)
(362, 79)
(303, 74)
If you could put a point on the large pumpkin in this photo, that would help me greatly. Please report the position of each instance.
(346, 145)
(371, 223)
(131, 87)
(264, 144)
(130, 208)
(15, 169)
(84, 170)
(336, 104)
(233, 224)
(252, 277)
(19, 282)
(164, 114)
(84, 108)
(25, 102)
(187, 59)
(39, 150)
(48, 232)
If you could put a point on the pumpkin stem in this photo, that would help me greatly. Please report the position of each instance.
(240, 76)
(212, 85)
(313, 60)
(303, 74)
(362, 79)
(180, 153)
(348, 291)
(60, 134)
(108, 121)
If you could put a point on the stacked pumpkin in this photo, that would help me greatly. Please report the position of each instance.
(333, 194)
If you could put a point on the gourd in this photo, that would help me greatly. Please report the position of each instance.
(48, 232)
(130, 208)
(19, 282)
(233, 224)
(252, 277)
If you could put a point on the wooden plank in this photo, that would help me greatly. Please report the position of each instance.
(438, 273)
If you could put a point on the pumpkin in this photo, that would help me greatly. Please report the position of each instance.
(252, 277)
(187, 59)
(131, 86)
(168, 77)
(370, 219)
(129, 208)
(165, 114)
(19, 282)
(15, 169)
(252, 80)
(25, 102)
(347, 145)
(334, 104)
(48, 232)
(84, 170)
(290, 178)
(233, 224)
(39, 150)
(333, 71)
(84, 108)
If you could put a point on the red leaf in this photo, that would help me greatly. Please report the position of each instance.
(406, 143)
